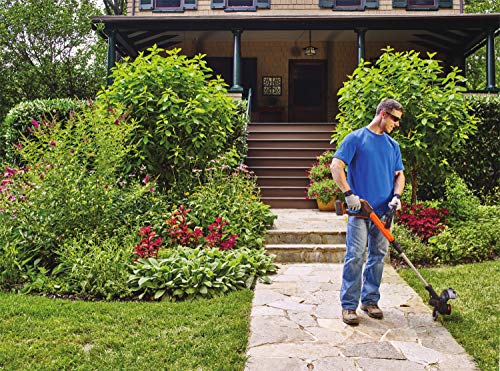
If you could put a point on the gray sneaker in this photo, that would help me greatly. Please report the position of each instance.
(350, 317)
(373, 311)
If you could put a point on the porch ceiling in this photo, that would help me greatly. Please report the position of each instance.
(452, 34)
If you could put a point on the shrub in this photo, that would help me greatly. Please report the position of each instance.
(478, 163)
(92, 267)
(232, 195)
(418, 252)
(20, 117)
(460, 201)
(184, 117)
(187, 273)
(470, 241)
(424, 222)
(436, 119)
(72, 187)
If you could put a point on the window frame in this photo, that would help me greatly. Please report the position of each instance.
(251, 8)
(359, 6)
(410, 6)
(167, 9)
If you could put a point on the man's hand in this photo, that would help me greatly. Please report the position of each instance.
(353, 202)
(395, 202)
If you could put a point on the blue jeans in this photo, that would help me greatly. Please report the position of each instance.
(359, 232)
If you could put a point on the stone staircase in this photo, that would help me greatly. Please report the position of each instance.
(307, 236)
(280, 153)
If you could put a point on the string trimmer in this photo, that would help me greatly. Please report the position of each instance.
(439, 303)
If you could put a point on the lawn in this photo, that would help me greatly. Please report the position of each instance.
(474, 321)
(41, 333)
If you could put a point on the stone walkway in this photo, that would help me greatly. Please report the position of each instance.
(296, 322)
(296, 325)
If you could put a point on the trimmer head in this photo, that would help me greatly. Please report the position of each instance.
(440, 303)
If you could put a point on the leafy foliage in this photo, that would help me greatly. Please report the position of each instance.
(418, 252)
(231, 194)
(462, 204)
(184, 117)
(20, 118)
(478, 164)
(47, 50)
(72, 188)
(436, 118)
(324, 190)
(188, 273)
(424, 222)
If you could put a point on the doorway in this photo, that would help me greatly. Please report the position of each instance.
(307, 90)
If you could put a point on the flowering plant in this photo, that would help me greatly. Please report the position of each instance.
(324, 190)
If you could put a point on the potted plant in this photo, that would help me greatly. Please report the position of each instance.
(322, 187)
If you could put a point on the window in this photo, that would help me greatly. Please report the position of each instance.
(347, 3)
(422, 4)
(240, 5)
(168, 5)
(162, 4)
(417, 4)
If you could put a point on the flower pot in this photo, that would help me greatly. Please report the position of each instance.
(330, 206)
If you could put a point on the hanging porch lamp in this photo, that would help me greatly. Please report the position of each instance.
(310, 50)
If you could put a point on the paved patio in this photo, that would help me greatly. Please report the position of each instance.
(296, 324)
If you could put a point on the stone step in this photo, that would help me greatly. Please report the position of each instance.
(307, 253)
(301, 237)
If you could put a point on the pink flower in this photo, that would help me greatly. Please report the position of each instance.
(35, 123)
(52, 143)
(146, 179)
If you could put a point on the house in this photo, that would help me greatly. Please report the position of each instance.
(293, 56)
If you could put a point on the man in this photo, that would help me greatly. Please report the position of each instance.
(375, 174)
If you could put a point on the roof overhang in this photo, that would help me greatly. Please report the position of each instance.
(458, 34)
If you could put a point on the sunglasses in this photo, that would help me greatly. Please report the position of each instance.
(394, 118)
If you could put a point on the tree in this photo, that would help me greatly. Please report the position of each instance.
(115, 7)
(48, 50)
(435, 120)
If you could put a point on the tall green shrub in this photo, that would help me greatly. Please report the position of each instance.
(478, 164)
(184, 116)
(436, 117)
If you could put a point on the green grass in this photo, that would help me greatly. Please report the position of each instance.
(41, 333)
(474, 321)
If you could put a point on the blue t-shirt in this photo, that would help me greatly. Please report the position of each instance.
(372, 159)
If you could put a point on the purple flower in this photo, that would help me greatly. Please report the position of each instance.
(35, 123)
(146, 179)
(52, 143)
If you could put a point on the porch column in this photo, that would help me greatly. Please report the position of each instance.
(236, 88)
(490, 61)
(111, 54)
(361, 44)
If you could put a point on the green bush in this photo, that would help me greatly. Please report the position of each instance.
(418, 252)
(436, 119)
(231, 194)
(72, 189)
(470, 241)
(187, 273)
(478, 164)
(185, 118)
(461, 203)
(319, 172)
(19, 118)
(93, 267)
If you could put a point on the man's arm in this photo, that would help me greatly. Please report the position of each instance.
(338, 174)
(399, 182)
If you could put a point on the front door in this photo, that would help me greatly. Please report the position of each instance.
(307, 91)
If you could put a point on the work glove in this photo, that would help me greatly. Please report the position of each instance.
(395, 202)
(353, 202)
